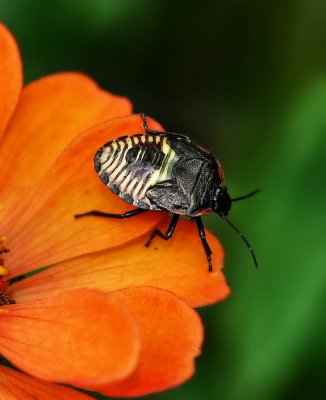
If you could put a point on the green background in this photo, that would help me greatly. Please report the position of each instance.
(247, 80)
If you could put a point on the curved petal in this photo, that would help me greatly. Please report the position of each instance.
(49, 233)
(50, 113)
(178, 265)
(15, 385)
(82, 338)
(171, 337)
(11, 76)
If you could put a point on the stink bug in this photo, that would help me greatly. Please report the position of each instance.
(164, 171)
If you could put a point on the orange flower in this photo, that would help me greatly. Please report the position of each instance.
(111, 315)
(15, 385)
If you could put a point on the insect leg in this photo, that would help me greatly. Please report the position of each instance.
(146, 128)
(201, 231)
(151, 132)
(127, 214)
(168, 233)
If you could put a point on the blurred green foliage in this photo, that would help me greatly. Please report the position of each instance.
(246, 79)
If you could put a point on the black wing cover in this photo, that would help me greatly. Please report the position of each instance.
(194, 180)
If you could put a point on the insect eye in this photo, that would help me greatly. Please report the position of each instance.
(223, 201)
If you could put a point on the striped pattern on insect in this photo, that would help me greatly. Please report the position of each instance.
(164, 171)
(132, 165)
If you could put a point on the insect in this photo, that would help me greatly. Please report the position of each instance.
(164, 171)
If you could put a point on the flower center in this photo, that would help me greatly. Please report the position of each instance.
(5, 297)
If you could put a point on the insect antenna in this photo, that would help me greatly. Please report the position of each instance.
(242, 237)
(246, 196)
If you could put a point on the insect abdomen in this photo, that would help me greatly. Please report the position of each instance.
(131, 164)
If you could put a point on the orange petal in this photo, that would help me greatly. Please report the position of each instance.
(11, 76)
(178, 265)
(50, 113)
(171, 337)
(15, 385)
(49, 233)
(82, 338)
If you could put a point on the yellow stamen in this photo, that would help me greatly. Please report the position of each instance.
(3, 271)
(3, 249)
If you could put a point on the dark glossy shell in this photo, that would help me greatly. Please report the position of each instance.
(160, 172)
